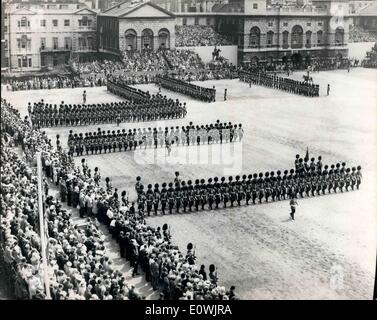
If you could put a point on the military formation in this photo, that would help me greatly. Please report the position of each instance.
(157, 108)
(128, 140)
(303, 88)
(120, 87)
(308, 180)
(189, 89)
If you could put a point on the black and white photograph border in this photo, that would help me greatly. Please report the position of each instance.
(188, 150)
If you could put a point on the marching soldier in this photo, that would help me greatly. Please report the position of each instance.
(171, 198)
(149, 199)
(163, 198)
(138, 185)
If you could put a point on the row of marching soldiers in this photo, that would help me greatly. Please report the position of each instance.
(112, 141)
(158, 108)
(120, 87)
(245, 190)
(189, 89)
(273, 81)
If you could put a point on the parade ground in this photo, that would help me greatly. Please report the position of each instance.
(329, 251)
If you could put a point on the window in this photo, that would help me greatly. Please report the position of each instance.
(6, 44)
(30, 64)
(6, 61)
(320, 23)
(19, 62)
(43, 60)
(285, 39)
(55, 43)
(308, 24)
(184, 21)
(285, 24)
(270, 24)
(66, 23)
(55, 61)
(270, 36)
(23, 22)
(67, 43)
(23, 42)
(297, 37)
(5, 28)
(43, 23)
(55, 23)
(196, 21)
(255, 5)
(208, 21)
(254, 37)
(85, 22)
(90, 43)
(24, 62)
(319, 37)
(29, 44)
(43, 43)
(308, 39)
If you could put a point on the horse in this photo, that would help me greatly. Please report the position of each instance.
(216, 54)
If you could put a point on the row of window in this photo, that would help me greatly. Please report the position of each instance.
(296, 37)
(82, 42)
(285, 24)
(24, 62)
(196, 21)
(84, 22)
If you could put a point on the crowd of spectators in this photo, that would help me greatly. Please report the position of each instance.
(371, 58)
(55, 82)
(183, 59)
(357, 34)
(194, 36)
(79, 267)
(146, 60)
(96, 67)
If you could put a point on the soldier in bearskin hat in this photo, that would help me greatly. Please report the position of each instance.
(156, 198)
(164, 198)
(149, 199)
(171, 197)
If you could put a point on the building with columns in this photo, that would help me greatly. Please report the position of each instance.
(135, 26)
(41, 34)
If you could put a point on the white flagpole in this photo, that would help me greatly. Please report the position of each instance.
(42, 225)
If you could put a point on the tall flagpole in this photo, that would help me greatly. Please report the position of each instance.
(42, 225)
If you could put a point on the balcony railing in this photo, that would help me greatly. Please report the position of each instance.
(85, 49)
(54, 49)
(83, 28)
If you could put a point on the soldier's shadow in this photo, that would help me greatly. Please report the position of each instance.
(287, 220)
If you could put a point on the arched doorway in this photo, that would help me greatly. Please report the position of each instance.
(131, 39)
(296, 60)
(147, 38)
(339, 36)
(254, 61)
(297, 37)
(254, 37)
(164, 39)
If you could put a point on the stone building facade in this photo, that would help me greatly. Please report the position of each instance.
(128, 27)
(38, 38)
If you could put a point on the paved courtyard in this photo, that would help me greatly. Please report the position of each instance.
(329, 251)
